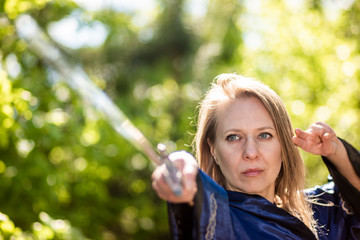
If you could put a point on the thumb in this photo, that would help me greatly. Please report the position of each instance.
(327, 138)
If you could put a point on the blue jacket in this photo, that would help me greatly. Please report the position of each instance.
(221, 214)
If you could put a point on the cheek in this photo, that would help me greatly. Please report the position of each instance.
(227, 160)
(271, 153)
(224, 153)
(276, 160)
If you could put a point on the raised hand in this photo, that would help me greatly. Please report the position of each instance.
(318, 139)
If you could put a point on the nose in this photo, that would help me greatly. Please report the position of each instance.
(250, 150)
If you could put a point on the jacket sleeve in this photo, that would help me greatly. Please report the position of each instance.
(209, 218)
(350, 194)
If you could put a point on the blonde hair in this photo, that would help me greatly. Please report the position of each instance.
(290, 182)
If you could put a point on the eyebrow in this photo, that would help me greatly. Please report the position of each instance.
(260, 129)
(264, 128)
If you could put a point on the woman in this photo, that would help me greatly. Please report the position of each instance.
(245, 144)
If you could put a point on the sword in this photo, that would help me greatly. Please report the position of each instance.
(76, 78)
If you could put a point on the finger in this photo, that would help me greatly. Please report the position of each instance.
(299, 141)
(156, 175)
(323, 124)
(313, 135)
(305, 139)
(189, 178)
(164, 191)
(158, 190)
(328, 131)
(316, 129)
(325, 133)
(190, 189)
(159, 183)
(302, 134)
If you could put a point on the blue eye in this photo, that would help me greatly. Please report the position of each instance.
(265, 135)
(232, 137)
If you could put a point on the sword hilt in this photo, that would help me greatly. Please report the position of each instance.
(172, 174)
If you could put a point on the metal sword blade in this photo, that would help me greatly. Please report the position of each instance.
(79, 81)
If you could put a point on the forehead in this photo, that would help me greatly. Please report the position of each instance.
(245, 112)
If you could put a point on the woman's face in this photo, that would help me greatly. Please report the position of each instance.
(247, 148)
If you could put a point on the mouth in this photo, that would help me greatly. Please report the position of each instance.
(252, 172)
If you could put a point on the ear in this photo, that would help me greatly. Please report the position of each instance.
(212, 150)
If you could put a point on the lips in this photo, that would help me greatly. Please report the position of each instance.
(252, 172)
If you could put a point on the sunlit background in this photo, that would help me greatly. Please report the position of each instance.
(66, 174)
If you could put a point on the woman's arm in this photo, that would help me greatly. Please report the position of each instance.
(320, 139)
(202, 210)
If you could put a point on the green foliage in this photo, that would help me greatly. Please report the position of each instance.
(48, 228)
(60, 158)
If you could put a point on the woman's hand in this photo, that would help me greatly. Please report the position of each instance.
(188, 167)
(318, 139)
